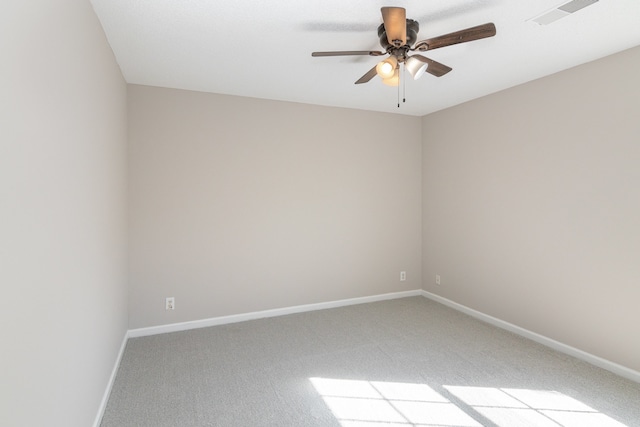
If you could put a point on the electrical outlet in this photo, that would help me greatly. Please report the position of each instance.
(403, 276)
(170, 303)
(437, 279)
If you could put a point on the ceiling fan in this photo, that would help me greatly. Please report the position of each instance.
(397, 36)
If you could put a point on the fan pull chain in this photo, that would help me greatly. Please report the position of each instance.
(404, 91)
(399, 85)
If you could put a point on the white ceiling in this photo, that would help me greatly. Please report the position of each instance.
(262, 49)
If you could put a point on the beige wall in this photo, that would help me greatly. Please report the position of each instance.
(239, 204)
(531, 206)
(62, 213)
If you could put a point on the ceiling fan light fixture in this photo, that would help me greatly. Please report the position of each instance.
(394, 80)
(415, 67)
(387, 68)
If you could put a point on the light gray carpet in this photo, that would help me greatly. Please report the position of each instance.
(411, 362)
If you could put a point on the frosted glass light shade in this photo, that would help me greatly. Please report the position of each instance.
(394, 80)
(415, 67)
(387, 68)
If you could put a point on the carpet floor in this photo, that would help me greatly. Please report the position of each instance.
(396, 363)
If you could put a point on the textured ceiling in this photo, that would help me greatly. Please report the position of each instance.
(263, 49)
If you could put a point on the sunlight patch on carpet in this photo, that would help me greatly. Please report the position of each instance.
(359, 403)
(367, 403)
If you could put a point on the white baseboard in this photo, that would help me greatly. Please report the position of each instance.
(541, 339)
(215, 321)
(107, 392)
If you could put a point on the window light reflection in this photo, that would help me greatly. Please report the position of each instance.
(360, 403)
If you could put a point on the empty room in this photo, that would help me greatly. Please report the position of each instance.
(356, 214)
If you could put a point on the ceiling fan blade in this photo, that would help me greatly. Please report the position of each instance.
(349, 52)
(462, 36)
(368, 76)
(435, 68)
(395, 24)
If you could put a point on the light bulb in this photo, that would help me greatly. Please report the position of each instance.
(387, 68)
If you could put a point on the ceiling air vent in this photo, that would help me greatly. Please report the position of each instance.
(561, 11)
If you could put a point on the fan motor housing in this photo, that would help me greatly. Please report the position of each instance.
(412, 35)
